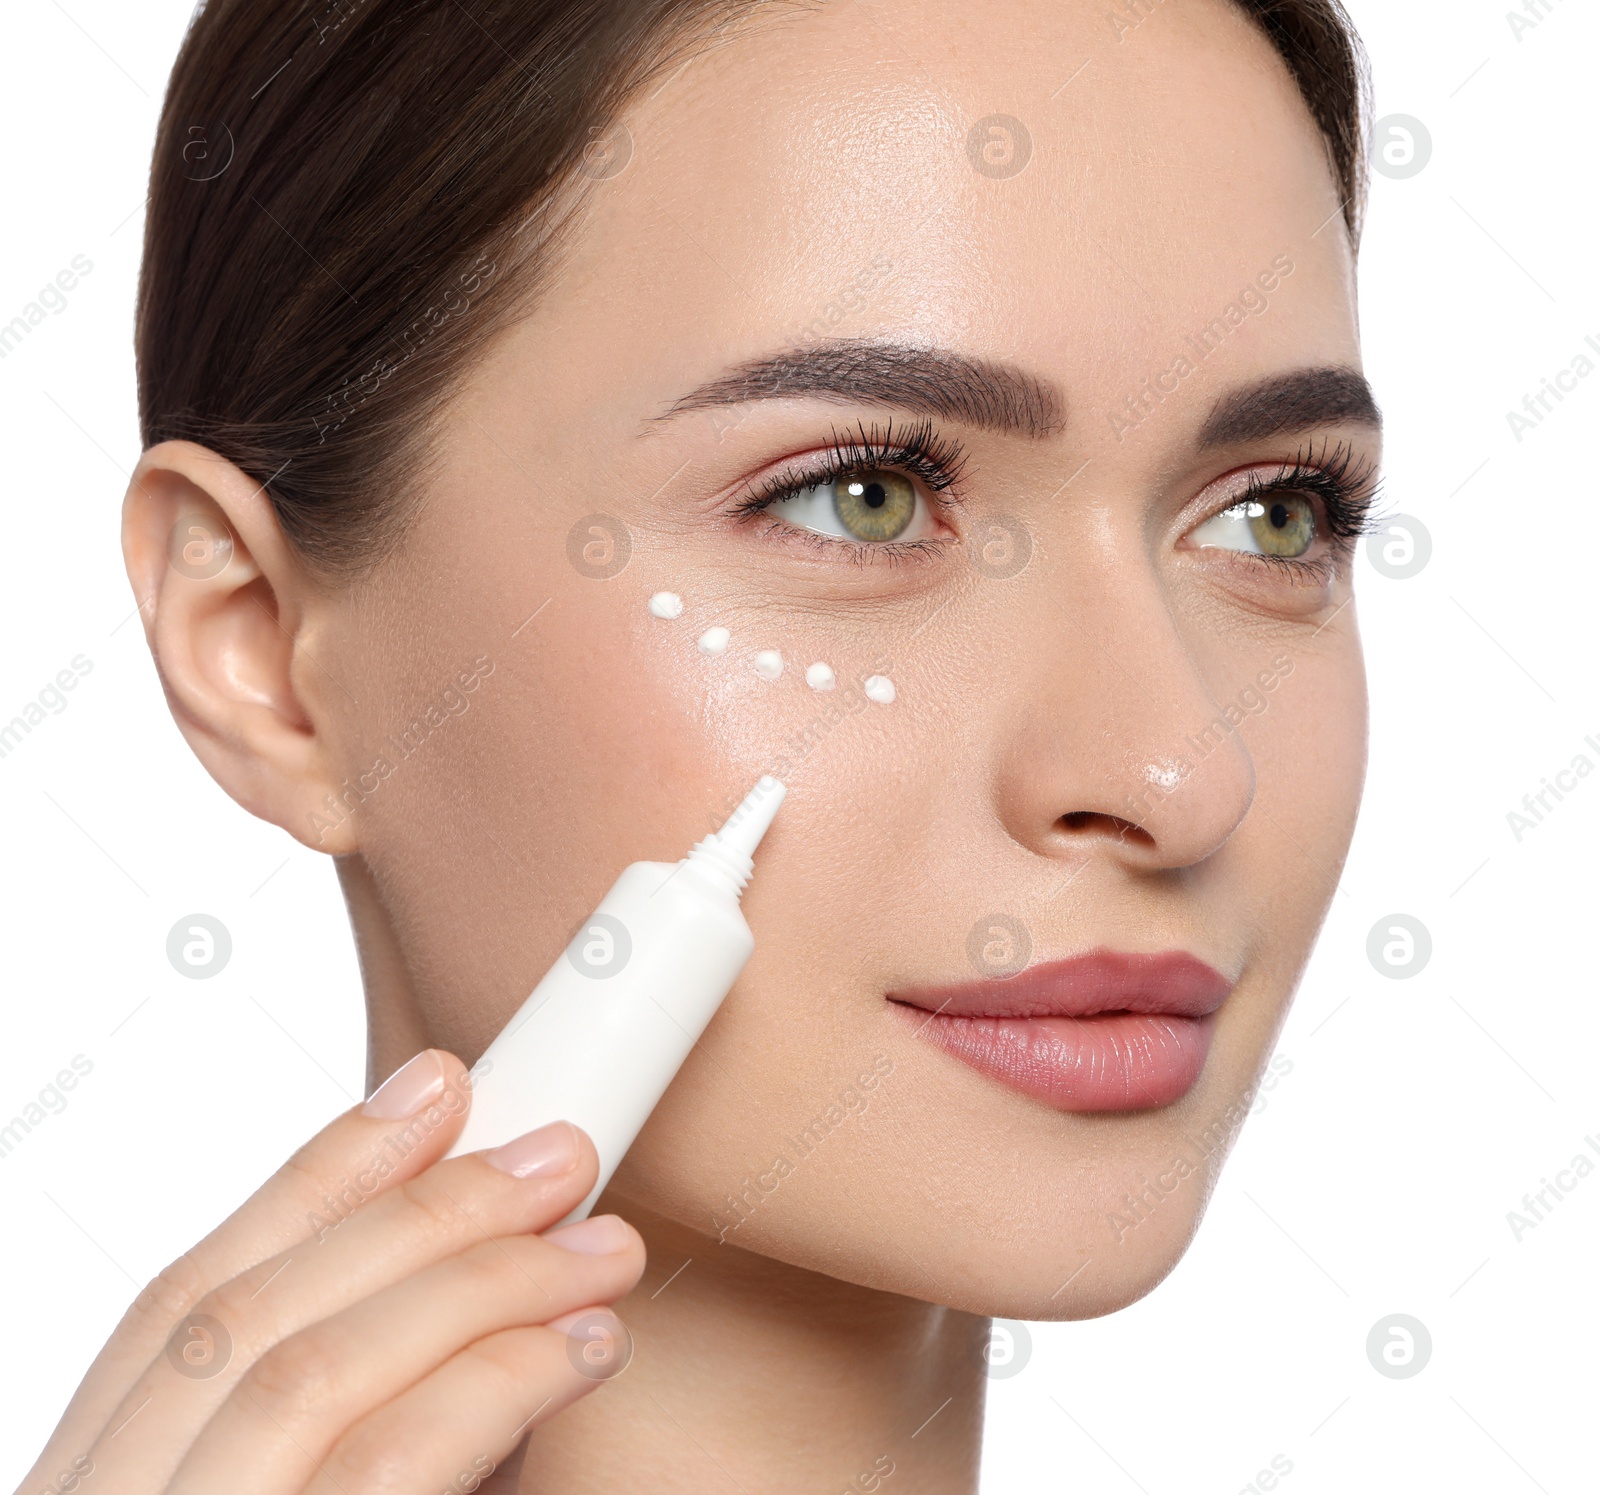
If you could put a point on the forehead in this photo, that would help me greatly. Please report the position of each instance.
(1027, 179)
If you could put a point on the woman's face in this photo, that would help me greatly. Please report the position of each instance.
(1128, 710)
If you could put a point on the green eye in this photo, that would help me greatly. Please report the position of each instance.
(874, 505)
(869, 506)
(1284, 525)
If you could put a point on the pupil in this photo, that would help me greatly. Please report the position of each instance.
(874, 497)
(1279, 516)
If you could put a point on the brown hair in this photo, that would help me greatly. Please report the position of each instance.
(335, 184)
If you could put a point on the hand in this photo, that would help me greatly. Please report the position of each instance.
(370, 1319)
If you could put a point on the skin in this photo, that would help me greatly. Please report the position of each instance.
(1031, 711)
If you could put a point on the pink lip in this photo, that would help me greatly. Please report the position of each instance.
(1105, 1031)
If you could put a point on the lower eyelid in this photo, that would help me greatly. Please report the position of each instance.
(848, 548)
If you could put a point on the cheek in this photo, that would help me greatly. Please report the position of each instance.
(669, 676)
(1310, 746)
(1309, 749)
(603, 734)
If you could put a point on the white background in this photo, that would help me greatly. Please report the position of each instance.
(1376, 1178)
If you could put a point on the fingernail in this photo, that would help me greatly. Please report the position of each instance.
(599, 1345)
(550, 1150)
(598, 1236)
(414, 1085)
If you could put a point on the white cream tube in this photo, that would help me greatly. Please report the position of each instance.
(600, 1038)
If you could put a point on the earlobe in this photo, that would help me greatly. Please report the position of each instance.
(227, 606)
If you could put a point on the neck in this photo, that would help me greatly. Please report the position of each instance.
(779, 1378)
(396, 1027)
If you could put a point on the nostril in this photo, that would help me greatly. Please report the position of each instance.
(1080, 822)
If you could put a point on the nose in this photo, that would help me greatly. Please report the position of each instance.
(1118, 742)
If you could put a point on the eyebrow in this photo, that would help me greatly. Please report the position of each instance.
(978, 392)
(1299, 400)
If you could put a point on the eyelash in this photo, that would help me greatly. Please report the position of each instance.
(1346, 486)
(938, 462)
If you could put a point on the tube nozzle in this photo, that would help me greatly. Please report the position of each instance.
(748, 824)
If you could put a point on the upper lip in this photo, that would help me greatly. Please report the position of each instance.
(1171, 981)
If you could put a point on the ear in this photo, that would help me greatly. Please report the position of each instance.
(229, 609)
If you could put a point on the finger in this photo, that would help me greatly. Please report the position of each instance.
(299, 1398)
(523, 1187)
(475, 1409)
(407, 1125)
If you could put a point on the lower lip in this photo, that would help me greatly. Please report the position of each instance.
(1114, 1061)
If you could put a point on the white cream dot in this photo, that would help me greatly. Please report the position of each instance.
(714, 641)
(879, 688)
(769, 664)
(666, 605)
(819, 676)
